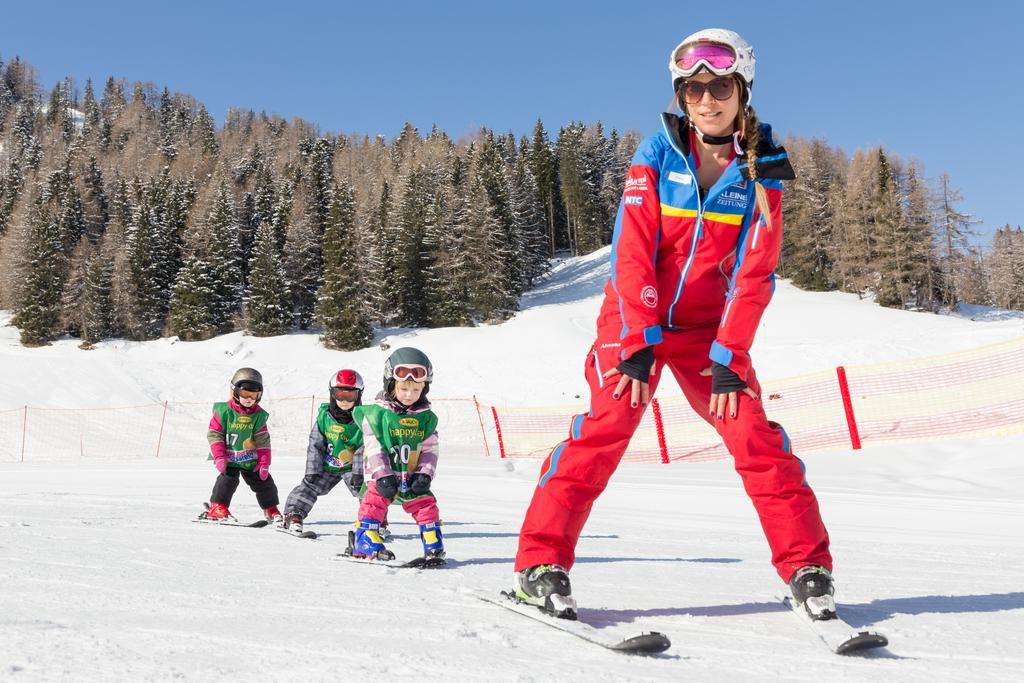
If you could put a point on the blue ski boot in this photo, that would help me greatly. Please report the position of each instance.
(366, 542)
(433, 545)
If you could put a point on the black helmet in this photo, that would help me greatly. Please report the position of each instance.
(248, 379)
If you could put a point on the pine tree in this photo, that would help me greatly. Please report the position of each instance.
(142, 302)
(97, 310)
(193, 310)
(168, 126)
(268, 310)
(530, 226)
(92, 123)
(409, 264)
(224, 256)
(543, 165)
(446, 291)
(10, 190)
(94, 201)
(1005, 268)
(893, 259)
(204, 135)
(42, 273)
(74, 289)
(319, 181)
(303, 268)
(339, 308)
(505, 250)
(381, 262)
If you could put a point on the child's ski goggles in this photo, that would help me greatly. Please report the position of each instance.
(245, 393)
(416, 373)
(717, 58)
(344, 394)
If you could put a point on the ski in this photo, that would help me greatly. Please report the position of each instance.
(312, 535)
(416, 563)
(836, 634)
(258, 524)
(648, 643)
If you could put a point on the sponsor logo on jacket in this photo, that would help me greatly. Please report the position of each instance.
(681, 178)
(634, 201)
(244, 418)
(239, 426)
(336, 429)
(409, 422)
(636, 184)
(735, 199)
(649, 296)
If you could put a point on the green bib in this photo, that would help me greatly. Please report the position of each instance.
(239, 430)
(400, 436)
(343, 440)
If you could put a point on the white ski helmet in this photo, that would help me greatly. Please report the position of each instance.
(689, 56)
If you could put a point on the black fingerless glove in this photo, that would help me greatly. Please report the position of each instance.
(420, 483)
(388, 486)
(356, 481)
(724, 380)
(638, 366)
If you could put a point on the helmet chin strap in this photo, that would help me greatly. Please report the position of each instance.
(732, 138)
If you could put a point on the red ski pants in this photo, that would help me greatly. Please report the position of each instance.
(578, 469)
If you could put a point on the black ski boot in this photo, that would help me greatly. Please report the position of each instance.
(546, 586)
(812, 587)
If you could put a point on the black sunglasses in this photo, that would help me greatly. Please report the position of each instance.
(720, 88)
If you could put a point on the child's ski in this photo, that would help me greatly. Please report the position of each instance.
(650, 643)
(302, 534)
(258, 524)
(417, 563)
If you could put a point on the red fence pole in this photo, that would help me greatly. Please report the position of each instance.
(851, 421)
(483, 432)
(659, 427)
(160, 437)
(497, 428)
(312, 404)
(24, 426)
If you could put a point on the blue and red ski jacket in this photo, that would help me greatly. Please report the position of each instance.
(680, 261)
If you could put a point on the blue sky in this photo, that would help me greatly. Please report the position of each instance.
(907, 75)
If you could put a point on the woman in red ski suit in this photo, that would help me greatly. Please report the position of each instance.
(694, 248)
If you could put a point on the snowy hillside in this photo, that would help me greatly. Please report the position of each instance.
(103, 576)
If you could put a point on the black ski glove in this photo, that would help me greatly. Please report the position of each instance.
(388, 486)
(724, 380)
(638, 366)
(420, 483)
(355, 481)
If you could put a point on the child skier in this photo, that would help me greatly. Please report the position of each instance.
(335, 451)
(400, 447)
(240, 446)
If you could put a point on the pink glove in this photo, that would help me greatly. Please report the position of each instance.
(263, 465)
(221, 464)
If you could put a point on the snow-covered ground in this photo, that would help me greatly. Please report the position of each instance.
(103, 577)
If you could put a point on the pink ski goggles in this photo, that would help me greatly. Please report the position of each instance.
(718, 58)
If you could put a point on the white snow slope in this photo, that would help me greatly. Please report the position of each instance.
(104, 577)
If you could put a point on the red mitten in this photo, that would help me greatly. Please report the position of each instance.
(263, 465)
